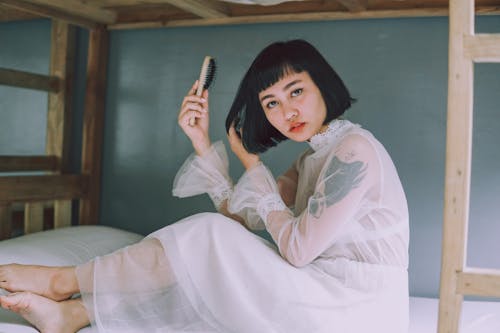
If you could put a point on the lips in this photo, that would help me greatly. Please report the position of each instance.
(296, 127)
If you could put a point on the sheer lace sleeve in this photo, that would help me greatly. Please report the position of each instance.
(256, 188)
(350, 173)
(205, 174)
(287, 186)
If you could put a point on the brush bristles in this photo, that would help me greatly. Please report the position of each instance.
(210, 75)
(207, 74)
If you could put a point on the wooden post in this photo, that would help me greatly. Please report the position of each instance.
(33, 217)
(93, 123)
(62, 62)
(5, 221)
(458, 164)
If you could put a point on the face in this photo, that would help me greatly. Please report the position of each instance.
(294, 106)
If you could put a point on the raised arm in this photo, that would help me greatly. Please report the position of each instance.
(205, 171)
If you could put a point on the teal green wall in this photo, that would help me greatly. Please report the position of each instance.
(397, 68)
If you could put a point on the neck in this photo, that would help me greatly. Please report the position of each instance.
(321, 130)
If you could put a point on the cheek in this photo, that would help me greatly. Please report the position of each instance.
(275, 121)
(271, 118)
(322, 107)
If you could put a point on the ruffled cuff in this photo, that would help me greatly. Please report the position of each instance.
(256, 195)
(205, 174)
(269, 203)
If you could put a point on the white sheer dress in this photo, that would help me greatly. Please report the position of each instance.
(339, 263)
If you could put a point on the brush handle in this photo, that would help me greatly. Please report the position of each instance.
(201, 83)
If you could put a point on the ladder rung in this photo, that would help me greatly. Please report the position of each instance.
(42, 188)
(479, 282)
(27, 80)
(28, 163)
(483, 47)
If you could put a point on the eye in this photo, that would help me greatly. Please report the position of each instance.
(271, 104)
(297, 92)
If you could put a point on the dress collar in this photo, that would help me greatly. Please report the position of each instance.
(336, 129)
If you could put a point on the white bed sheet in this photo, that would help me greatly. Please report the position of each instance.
(477, 317)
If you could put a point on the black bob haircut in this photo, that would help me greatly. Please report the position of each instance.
(272, 64)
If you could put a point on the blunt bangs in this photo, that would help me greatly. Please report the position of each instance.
(267, 77)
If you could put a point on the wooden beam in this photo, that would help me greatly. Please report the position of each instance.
(277, 18)
(302, 17)
(458, 165)
(62, 63)
(93, 122)
(28, 163)
(353, 5)
(204, 9)
(14, 78)
(479, 282)
(10, 14)
(483, 47)
(72, 11)
(42, 188)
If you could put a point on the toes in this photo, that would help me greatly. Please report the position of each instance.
(5, 285)
(7, 272)
(16, 301)
(3, 304)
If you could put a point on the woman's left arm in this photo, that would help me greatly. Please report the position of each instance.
(349, 174)
(287, 185)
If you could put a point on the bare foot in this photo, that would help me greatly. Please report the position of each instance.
(50, 282)
(47, 315)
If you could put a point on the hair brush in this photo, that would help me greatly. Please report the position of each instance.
(207, 75)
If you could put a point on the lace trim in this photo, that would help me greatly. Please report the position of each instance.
(269, 203)
(220, 193)
(336, 129)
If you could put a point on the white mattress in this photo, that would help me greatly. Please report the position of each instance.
(477, 317)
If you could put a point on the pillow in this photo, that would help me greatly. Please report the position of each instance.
(65, 246)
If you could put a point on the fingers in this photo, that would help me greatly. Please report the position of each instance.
(234, 133)
(185, 119)
(192, 91)
(193, 108)
(231, 133)
(233, 138)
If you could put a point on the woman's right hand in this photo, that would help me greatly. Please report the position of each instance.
(196, 107)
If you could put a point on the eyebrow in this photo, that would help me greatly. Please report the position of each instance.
(284, 89)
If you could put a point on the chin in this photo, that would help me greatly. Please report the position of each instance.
(299, 137)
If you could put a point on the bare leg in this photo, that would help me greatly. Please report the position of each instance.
(47, 315)
(56, 283)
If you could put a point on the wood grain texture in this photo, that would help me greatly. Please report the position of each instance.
(458, 165)
(20, 79)
(93, 123)
(42, 188)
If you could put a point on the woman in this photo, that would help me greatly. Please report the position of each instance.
(338, 217)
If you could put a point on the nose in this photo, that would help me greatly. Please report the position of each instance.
(290, 111)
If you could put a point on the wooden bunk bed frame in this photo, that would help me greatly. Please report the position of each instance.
(57, 184)
(465, 48)
(99, 16)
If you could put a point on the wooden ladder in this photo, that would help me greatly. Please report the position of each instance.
(56, 184)
(465, 48)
